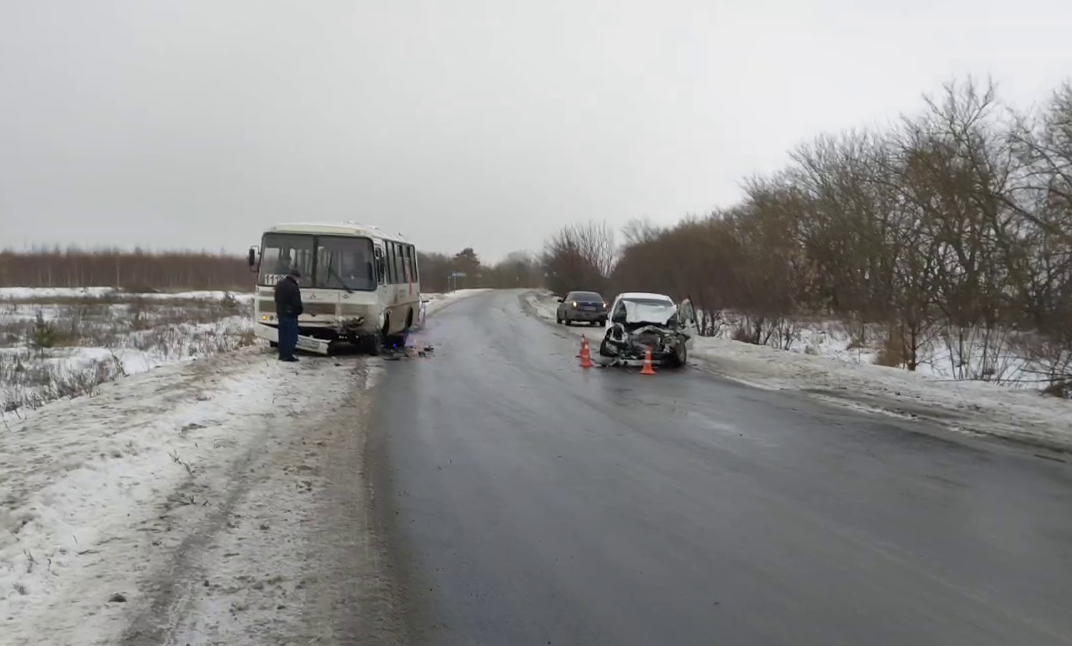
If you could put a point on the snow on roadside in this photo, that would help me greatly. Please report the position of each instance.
(433, 301)
(968, 406)
(98, 493)
(56, 293)
(544, 303)
(438, 301)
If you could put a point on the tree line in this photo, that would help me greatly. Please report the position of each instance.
(953, 225)
(135, 270)
(141, 270)
(442, 272)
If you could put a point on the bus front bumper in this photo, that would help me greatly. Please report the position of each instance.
(305, 343)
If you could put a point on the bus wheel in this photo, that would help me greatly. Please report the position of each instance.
(373, 345)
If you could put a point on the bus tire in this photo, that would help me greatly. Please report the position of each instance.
(372, 345)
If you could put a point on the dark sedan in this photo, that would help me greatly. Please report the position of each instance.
(587, 307)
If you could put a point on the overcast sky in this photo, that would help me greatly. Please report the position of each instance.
(196, 123)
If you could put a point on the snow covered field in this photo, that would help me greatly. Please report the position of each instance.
(58, 343)
(821, 363)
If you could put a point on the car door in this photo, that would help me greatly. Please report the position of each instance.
(687, 318)
(614, 309)
(562, 306)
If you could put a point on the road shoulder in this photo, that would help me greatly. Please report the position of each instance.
(218, 501)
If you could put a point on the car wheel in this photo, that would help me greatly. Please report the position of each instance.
(681, 355)
(603, 348)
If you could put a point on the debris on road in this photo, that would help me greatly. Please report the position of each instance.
(408, 352)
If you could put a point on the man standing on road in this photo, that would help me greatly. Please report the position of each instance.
(288, 307)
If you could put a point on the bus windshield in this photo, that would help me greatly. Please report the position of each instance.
(325, 262)
(281, 252)
(345, 263)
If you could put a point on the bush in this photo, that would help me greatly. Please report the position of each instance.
(892, 352)
(1062, 389)
(44, 335)
(742, 334)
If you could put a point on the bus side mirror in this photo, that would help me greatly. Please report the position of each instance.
(253, 258)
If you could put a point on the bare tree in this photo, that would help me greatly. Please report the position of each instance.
(579, 256)
(954, 227)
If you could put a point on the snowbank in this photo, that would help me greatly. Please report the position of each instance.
(438, 301)
(966, 406)
(101, 494)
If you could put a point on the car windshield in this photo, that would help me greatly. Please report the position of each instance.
(648, 310)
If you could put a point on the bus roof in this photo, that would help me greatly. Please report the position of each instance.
(336, 229)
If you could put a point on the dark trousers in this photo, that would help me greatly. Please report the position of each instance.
(288, 336)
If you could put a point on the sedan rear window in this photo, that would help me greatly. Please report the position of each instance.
(591, 297)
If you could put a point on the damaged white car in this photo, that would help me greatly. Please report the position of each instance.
(639, 322)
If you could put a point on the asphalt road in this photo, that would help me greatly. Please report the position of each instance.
(531, 502)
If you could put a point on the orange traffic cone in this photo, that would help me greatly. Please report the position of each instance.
(586, 357)
(646, 369)
(584, 344)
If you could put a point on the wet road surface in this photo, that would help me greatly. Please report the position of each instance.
(530, 502)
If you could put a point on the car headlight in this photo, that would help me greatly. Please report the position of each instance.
(574, 303)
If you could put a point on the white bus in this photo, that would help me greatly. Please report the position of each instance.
(359, 284)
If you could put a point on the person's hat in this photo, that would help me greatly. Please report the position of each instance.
(294, 272)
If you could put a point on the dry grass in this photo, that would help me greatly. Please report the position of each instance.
(31, 383)
(43, 344)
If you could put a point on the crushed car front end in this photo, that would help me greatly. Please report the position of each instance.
(624, 344)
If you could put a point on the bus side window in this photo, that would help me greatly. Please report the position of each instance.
(380, 268)
(390, 263)
(411, 262)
